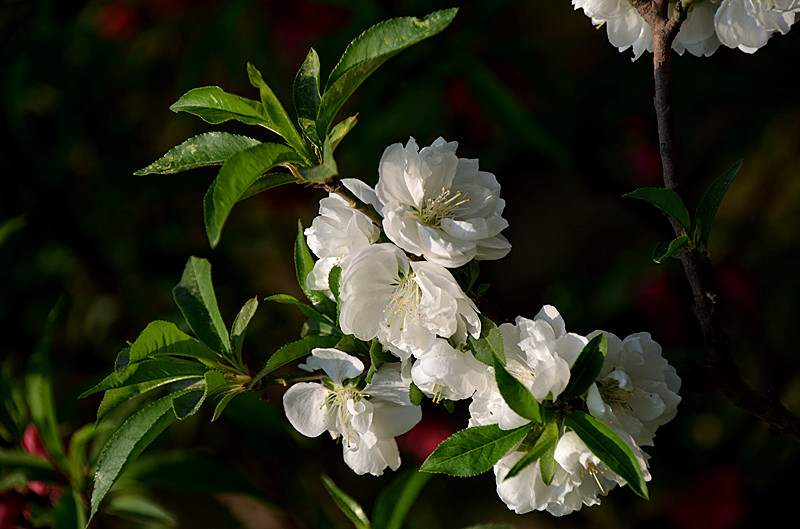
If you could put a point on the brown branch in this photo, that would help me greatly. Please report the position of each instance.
(721, 374)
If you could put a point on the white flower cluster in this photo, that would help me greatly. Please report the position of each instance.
(743, 24)
(440, 212)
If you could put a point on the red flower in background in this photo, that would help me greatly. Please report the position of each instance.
(118, 21)
(423, 439)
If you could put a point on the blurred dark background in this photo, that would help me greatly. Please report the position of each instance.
(530, 88)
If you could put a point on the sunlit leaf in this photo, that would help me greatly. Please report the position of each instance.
(472, 451)
(210, 148)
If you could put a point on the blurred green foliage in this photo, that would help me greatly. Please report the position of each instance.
(530, 88)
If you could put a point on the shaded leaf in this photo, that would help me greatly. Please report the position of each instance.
(163, 338)
(159, 371)
(586, 368)
(664, 251)
(238, 173)
(323, 172)
(609, 448)
(517, 396)
(307, 310)
(346, 504)
(267, 181)
(239, 327)
(69, 513)
(472, 451)
(543, 450)
(115, 397)
(305, 93)
(395, 501)
(139, 508)
(195, 296)
(667, 201)
(415, 395)
(293, 351)
(490, 343)
(707, 208)
(210, 148)
(340, 130)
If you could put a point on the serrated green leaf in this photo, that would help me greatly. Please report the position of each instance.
(238, 173)
(472, 451)
(609, 447)
(415, 395)
(307, 310)
(128, 442)
(305, 93)
(367, 52)
(586, 368)
(327, 169)
(210, 148)
(163, 338)
(214, 105)
(39, 392)
(395, 501)
(707, 208)
(543, 450)
(68, 512)
(340, 130)
(266, 182)
(223, 403)
(138, 508)
(351, 345)
(664, 251)
(293, 351)
(239, 327)
(159, 371)
(115, 397)
(350, 507)
(195, 297)
(275, 116)
(516, 395)
(187, 404)
(490, 343)
(303, 264)
(667, 201)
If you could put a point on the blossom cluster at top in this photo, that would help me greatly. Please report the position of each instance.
(743, 24)
(396, 289)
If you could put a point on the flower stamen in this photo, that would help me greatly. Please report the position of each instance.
(442, 207)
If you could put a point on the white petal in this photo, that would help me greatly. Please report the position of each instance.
(304, 404)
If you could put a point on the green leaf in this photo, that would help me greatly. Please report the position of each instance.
(39, 392)
(129, 441)
(667, 201)
(586, 368)
(340, 130)
(239, 327)
(609, 448)
(333, 281)
(368, 51)
(163, 338)
(9, 226)
(195, 296)
(157, 370)
(395, 501)
(187, 404)
(307, 310)
(516, 395)
(69, 513)
(305, 93)
(211, 148)
(116, 397)
(415, 395)
(223, 403)
(303, 264)
(543, 450)
(138, 508)
(664, 251)
(213, 105)
(267, 181)
(472, 451)
(293, 351)
(276, 118)
(346, 504)
(323, 172)
(490, 343)
(238, 173)
(707, 208)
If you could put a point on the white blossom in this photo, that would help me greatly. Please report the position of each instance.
(579, 479)
(440, 206)
(367, 420)
(405, 304)
(636, 390)
(444, 372)
(748, 24)
(334, 236)
(539, 353)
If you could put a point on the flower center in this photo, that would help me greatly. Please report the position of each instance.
(404, 302)
(615, 396)
(443, 206)
(594, 470)
(342, 403)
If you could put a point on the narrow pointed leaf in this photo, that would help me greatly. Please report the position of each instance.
(239, 327)
(276, 118)
(223, 403)
(586, 368)
(396, 500)
(187, 404)
(213, 105)
(115, 397)
(163, 338)
(307, 310)
(342, 129)
(542, 451)
(368, 51)
(68, 512)
(667, 201)
(472, 451)
(210, 148)
(707, 208)
(141, 509)
(160, 370)
(305, 94)
(195, 296)
(350, 507)
(128, 442)
(516, 395)
(323, 172)
(303, 264)
(664, 251)
(610, 448)
(489, 345)
(294, 351)
(238, 173)
(266, 182)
